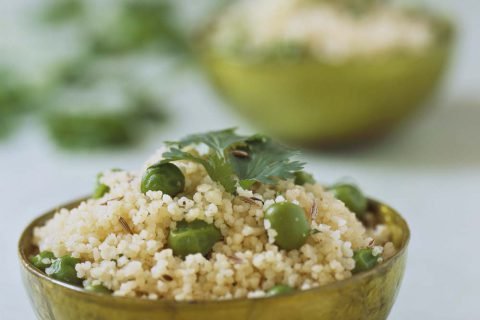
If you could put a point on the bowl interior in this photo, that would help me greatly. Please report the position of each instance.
(443, 28)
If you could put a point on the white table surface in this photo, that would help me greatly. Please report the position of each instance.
(430, 172)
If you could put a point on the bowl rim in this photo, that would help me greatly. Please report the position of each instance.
(28, 266)
(446, 28)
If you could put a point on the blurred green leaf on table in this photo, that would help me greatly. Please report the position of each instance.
(116, 42)
(14, 96)
(59, 11)
(116, 35)
(99, 116)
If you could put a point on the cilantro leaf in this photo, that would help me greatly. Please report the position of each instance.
(217, 141)
(217, 168)
(249, 159)
(267, 160)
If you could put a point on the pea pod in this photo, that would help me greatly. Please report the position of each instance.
(98, 289)
(279, 290)
(102, 189)
(193, 237)
(364, 260)
(63, 269)
(42, 260)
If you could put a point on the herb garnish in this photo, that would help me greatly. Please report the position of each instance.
(232, 158)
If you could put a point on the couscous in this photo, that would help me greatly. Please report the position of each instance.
(213, 216)
(328, 30)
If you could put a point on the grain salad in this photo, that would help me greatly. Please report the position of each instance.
(133, 238)
(328, 30)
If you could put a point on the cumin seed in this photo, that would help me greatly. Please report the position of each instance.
(314, 210)
(167, 277)
(112, 199)
(125, 225)
(240, 154)
(249, 200)
(257, 199)
(235, 259)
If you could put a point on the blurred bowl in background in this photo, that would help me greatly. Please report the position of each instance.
(315, 103)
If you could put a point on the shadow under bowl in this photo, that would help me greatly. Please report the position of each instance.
(311, 102)
(369, 295)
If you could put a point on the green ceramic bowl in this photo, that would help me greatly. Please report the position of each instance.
(310, 102)
(369, 295)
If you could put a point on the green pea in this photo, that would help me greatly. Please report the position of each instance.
(193, 237)
(63, 269)
(279, 290)
(102, 189)
(42, 260)
(165, 177)
(302, 177)
(364, 260)
(98, 289)
(290, 223)
(352, 196)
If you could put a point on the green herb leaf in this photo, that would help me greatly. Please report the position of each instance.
(267, 160)
(217, 168)
(217, 141)
(230, 157)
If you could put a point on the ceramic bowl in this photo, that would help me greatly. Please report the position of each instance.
(369, 295)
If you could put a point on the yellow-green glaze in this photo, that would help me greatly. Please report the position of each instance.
(308, 101)
(367, 296)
